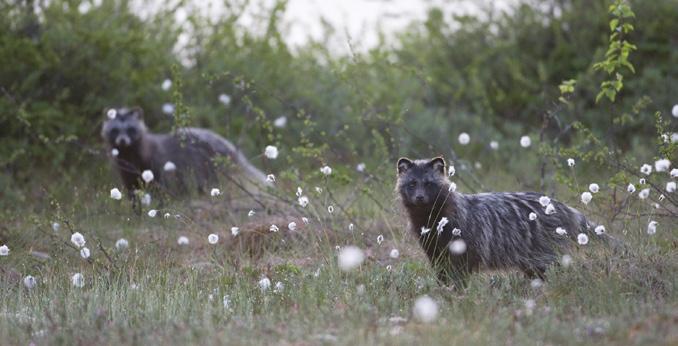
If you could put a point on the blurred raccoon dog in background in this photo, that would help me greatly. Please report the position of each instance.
(173, 158)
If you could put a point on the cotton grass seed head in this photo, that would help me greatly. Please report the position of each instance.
(631, 188)
(550, 209)
(600, 229)
(594, 188)
(330, 209)
(456, 232)
(671, 186)
(425, 230)
(116, 194)
(532, 216)
(56, 226)
(380, 239)
(146, 199)
(457, 247)
(147, 176)
(121, 244)
(305, 221)
(561, 231)
(215, 192)
(271, 152)
(586, 197)
(566, 261)
(264, 284)
(168, 108)
(525, 141)
(292, 226)
(250, 213)
(662, 165)
(425, 309)
(78, 239)
(280, 122)
(182, 240)
(166, 84)
(652, 227)
(494, 145)
(84, 253)
(274, 228)
(646, 169)
(644, 193)
(464, 138)
(452, 187)
(570, 162)
(169, 166)
(674, 173)
(326, 170)
(30, 282)
(4, 250)
(224, 99)
(270, 178)
(235, 231)
(78, 280)
(674, 111)
(350, 257)
(360, 167)
(152, 213)
(115, 152)
(111, 114)
(212, 238)
(544, 201)
(441, 224)
(303, 201)
(394, 253)
(582, 239)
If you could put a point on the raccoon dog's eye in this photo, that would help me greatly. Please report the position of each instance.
(131, 131)
(412, 184)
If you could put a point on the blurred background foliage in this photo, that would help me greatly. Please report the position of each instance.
(493, 75)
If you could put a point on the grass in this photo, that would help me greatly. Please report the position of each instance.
(158, 292)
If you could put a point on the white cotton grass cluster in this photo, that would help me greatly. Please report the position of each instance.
(56, 226)
(182, 240)
(166, 84)
(215, 192)
(350, 257)
(224, 99)
(394, 253)
(380, 239)
(561, 231)
(274, 228)
(582, 239)
(4, 250)
(292, 226)
(168, 108)
(452, 187)
(594, 188)
(671, 186)
(451, 171)
(662, 165)
(84, 253)
(121, 244)
(147, 176)
(169, 166)
(78, 239)
(570, 162)
(566, 260)
(544, 201)
(280, 122)
(652, 227)
(425, 230)
(326, 170)
(674, 173)
(456, 232)
(235, 231)
(166, 215)
(78, 280)
(146, 199)
(116, 194)
(646, 169)
(441, 224)
(586, 197)
(425, 309)
(270, 178)
(264, 284)
(30, 282)
(550, 209)
(212, 238)
(644, 193)
(111, 114)
(271, 152)
(525, 141)
(152, 213)
(464, 138)
(494, 145)
(600, 229)
(351, 226)
(115, 152)
(330, 209)
(457, 246)
(674, 111)
(631, 188)
(250, 213)
(303, 201)
(532, 216)
(360, 167)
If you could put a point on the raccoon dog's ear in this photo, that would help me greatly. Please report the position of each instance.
(137, 112)
(438, 164)
(404, 164)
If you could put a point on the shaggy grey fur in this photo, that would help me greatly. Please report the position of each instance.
(495, 227)
(192, 151)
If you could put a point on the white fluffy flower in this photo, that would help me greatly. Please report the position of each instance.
(652, 227)
(305, 220)
(566, 261)
(152, 213)
(280, 122)
(582, 239)
(78, 239)
(111, 114)
(115, 152)
(550, 209)
(425, 230)
(671, 186)
(494, 145)
(274, 228)
(326, 170)
(600, 229)
(641, 181)
(235, 231)
(318, 189)
(279, 287)
(212, 238)
(121, 244)
(457, 247)
(451, 171)
(147, 176)
(183, 240)
(536, 283)
(292, 226)
(116, 194)
(662, 165)
(30, 282)
(4, 250)
(586, 197)
(270, 178)
(425, 309)
(674, 111)
(225, 99)
(674, 173)
(351, 227)
(631, 188)
(250, 213)
(380, 239)
(169, 166)
(644, 193)
(330, 209)
(394, 253)
(84, 253)
(525, 141)
(452, 187)
(78, 280)
(303, 201)
(594, 188)
(299, 191)
(215, 192)
(674, 137)
(166, 215)
(561, 231)
(271, 152)
(456, 232)
(532, 216)
(350, 257)
(264, 284)
(646, 169)
(168, 108)
(544, 201)
(166, 84)
(56, 226)
(570, 162)
(146, 199)
(464, 138)
(661, 198)
(360, 167)
(441, 224)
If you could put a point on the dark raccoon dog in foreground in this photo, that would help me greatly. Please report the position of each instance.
(172, 157)
(462, 233)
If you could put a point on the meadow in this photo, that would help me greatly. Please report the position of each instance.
(324, 255)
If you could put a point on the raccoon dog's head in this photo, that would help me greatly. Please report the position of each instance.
(123, 127)
(422, 183)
